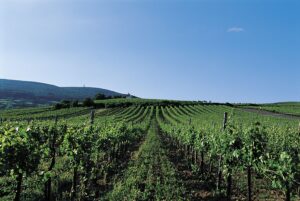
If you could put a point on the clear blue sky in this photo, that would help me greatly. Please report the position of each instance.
(226, 50)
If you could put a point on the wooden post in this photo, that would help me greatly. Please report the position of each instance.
(190, 121)
(229, 184)
(92, 117)
(202, 162)
(74, 184)
(249, 182)
(55, 120)
(219, 176)
(225, 120)
(229, 177)
(288, 191)
(19, 187)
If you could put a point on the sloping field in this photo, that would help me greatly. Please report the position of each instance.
(149, 152)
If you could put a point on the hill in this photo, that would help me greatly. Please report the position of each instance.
(16, 93)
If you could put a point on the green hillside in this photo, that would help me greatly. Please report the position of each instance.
(15, 93)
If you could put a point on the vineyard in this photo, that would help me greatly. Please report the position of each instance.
(289, 108)
(151, 150)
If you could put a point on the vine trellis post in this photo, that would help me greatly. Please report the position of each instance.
(219, 176)
(92, 117)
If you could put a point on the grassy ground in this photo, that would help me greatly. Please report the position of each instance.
(151, 176)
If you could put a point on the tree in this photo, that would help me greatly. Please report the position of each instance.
(100, 96)
(88, 102)
(58, 106)
(65, 102)
(75, 103)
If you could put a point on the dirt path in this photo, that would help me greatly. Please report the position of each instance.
(269, 113)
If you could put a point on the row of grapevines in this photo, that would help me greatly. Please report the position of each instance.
(271, 151)
(88, 152)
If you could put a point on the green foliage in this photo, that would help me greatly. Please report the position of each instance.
(100, 96)
(292, 108)
(270, 148)
(142, 180)
(88, 102)
(19, 150)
